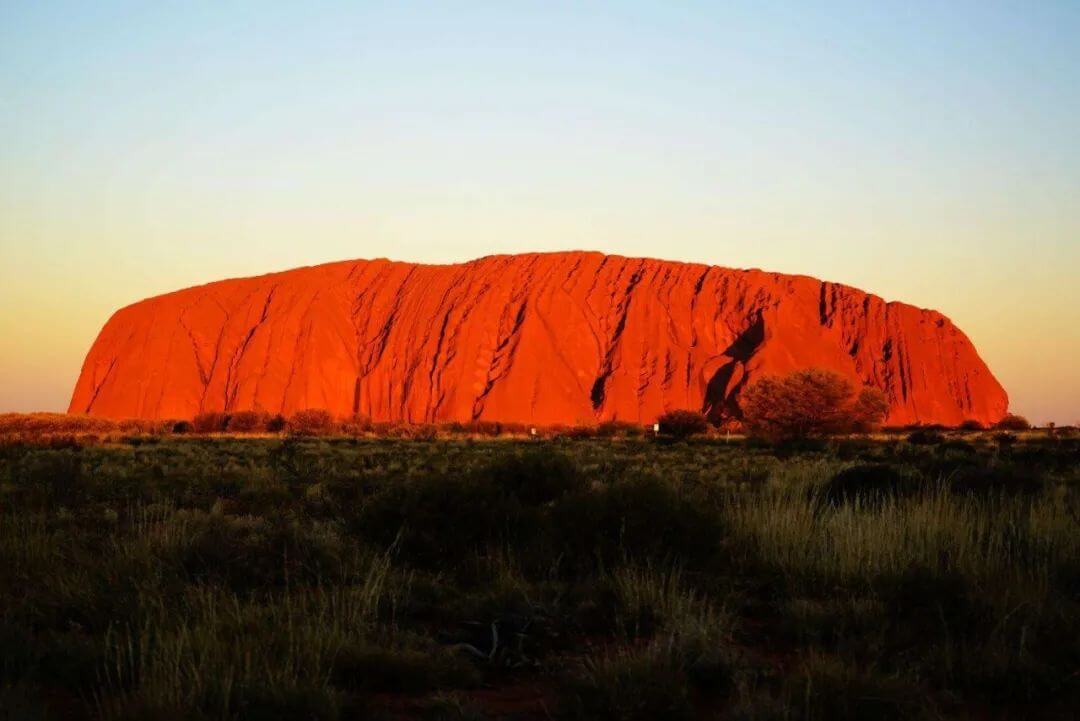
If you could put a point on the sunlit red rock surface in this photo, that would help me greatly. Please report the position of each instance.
(558, 338)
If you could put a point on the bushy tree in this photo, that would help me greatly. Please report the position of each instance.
(248, 421)
(212, 422)
(1013, 422)
(809, 403)
(682, 424)
(311, 422)
(869, 409)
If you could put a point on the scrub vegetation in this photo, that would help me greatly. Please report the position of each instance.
(160, 576)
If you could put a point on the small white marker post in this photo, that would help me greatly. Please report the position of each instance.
(532, 431)
(656, 428)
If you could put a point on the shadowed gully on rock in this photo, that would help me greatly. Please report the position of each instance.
(552, 338)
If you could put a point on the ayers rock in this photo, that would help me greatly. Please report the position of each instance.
(551, 338)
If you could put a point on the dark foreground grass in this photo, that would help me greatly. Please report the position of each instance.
(591, 579)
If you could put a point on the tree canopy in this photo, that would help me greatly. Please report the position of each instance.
(810, 403)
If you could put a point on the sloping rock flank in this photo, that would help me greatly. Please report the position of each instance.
(554, 338)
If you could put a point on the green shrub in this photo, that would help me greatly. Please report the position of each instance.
(631, 684)
(635, 518)
(828, 689)
(809, 403)
(651, 599)
(414, 431)
(247, 422)
(618, 429)
(925, 437)
(311, 422)
(682, 424)
(244, 553)
(1012, 422)
(357, 425)
(576, 432)
(533, 476)
(437, 522)
(51, 476)
(958, 446)
(870, 485)
(212, 422)
(998, 480)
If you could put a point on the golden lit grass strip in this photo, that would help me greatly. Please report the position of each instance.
(984, 539)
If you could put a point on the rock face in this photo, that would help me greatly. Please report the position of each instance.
(554, 338)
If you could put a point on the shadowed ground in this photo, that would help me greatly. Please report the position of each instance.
(594, 579)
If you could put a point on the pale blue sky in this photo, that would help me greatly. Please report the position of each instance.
(924, 151)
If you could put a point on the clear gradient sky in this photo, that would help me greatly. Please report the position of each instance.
(925, 151)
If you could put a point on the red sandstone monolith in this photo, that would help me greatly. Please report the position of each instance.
(552, 338)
